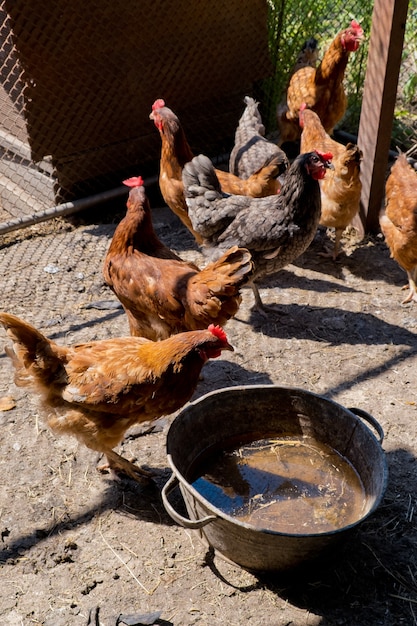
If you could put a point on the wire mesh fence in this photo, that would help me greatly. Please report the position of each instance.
(78, 81)
(293, 22)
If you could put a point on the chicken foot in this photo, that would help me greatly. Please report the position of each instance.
(263, 309)
(332, 251)
(412, 294)
(119, 465)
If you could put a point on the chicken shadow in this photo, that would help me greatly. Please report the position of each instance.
(332, 325)
(336, 327)
(368, 263)
(369, 260)
(221, 373)
(286, 279)
(370, 573)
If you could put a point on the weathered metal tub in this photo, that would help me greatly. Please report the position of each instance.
(244, 413)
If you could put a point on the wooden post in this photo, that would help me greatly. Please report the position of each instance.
(379, 96)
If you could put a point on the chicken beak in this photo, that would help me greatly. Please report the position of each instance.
(228, 346)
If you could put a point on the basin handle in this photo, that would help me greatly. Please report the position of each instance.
(371, 420)
(182, 521)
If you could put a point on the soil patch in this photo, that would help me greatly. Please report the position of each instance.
(81, 548)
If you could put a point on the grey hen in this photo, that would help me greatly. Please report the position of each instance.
(252, 150)
(276, 229)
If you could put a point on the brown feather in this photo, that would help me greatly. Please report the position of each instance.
(97, 390)
(399, 222)
(161, 293)
(321, 89)
(341, 188)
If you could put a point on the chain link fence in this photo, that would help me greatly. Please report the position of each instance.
(78, 80)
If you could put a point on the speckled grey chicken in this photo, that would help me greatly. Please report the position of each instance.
(252, 150)
(276, 230)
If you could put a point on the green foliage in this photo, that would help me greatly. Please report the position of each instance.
(410, 88)
(404, 127)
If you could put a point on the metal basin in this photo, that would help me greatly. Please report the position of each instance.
(246, 413)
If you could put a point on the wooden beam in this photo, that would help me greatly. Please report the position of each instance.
(377, 113)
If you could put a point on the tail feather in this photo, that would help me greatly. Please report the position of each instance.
(251, 117)
(202, 191)
(199, 176)
(215, 290)
(252, 150)
(354, 152)
(272, 166)
(37, 360)
(230, 271)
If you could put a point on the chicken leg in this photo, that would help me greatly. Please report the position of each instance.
(332, 251)
(262, 308)
(119, 465)
(412, 279)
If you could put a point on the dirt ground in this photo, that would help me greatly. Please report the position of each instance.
(81, 548)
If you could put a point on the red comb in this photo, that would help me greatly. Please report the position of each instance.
(357, 28)
(326, 156)
(303, 106)
(158, 104)
(135, 181)
(218, 332)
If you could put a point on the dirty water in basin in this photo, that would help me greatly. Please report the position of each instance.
(288, 485)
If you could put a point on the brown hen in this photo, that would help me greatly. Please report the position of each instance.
(320, 88)
(161, 293)
(97, 390)
(399, 222)
(176, 152)
(341, 188)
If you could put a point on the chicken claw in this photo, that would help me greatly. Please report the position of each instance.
(262, 308)
(119, 465)
(329, 253)
(412, 294)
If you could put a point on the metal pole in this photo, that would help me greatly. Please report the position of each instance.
(67, 208)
